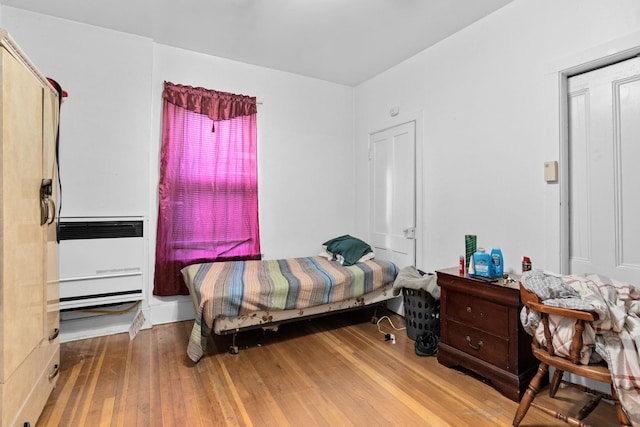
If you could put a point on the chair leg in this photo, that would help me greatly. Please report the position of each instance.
(530, 394)
(555, 382)
(623, 419)
(589, 407)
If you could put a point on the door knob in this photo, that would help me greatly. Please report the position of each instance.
(409, 232)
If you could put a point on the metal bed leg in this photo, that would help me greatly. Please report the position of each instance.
(233, 348)
(374, 318)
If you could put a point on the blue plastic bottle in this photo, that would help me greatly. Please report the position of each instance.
(497, 264)
(482, 263)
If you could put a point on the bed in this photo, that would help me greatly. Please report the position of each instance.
(234, 296)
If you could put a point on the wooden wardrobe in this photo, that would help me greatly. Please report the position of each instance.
(29, 314)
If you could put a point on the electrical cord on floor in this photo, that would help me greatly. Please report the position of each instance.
(387, 335)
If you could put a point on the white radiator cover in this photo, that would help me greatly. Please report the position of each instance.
(99, 263)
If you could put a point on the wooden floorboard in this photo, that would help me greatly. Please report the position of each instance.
(333, 371)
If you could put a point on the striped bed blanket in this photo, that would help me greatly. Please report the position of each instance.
(240, 288)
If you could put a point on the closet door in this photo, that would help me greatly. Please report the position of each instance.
(604, 130)
(22, 249)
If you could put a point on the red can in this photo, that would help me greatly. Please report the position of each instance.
(461, 263)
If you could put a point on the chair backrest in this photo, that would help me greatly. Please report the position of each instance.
(533, 302)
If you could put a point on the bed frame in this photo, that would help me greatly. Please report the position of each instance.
(267, 294)
(272, 320)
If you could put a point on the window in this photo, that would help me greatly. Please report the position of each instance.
(208, 208)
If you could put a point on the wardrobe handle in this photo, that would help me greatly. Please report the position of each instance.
(46, 191)
(44, 211)
(52, 205)
(55, 372)
(54, 334)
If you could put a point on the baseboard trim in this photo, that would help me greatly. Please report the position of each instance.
(172, 311)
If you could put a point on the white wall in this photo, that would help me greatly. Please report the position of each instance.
(104, 144)
(110, 135)
(487, 97)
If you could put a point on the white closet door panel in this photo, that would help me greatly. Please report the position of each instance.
(604, 130)
(382, 193)
(579, 187)
(628, 173)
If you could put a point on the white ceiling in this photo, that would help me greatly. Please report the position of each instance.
(342, 41)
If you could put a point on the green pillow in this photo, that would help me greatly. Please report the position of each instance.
(350, 248)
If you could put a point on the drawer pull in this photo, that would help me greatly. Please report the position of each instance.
(475, 347)
(55, 372)
(54, 334)
(468, 309)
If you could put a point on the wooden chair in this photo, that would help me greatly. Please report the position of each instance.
(547, 357)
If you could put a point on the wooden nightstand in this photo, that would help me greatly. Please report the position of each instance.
(480, 330)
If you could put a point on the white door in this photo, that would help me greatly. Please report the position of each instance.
(604, 172)
(393, 198)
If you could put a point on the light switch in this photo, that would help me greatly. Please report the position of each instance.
(551, 171)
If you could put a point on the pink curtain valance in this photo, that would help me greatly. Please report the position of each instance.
(215, 105)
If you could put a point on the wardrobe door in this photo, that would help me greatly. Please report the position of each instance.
(22, 250)
(50, 172)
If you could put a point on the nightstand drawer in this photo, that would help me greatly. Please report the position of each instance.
(480, 313)
(480, 344)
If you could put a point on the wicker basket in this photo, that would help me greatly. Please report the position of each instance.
(421, 313)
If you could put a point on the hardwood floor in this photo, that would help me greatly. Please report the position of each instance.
(333, 371)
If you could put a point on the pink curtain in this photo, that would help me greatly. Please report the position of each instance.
(208, 191)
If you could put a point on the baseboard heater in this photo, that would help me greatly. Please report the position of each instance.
(101, 261)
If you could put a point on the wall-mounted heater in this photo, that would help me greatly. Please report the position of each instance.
(101, 261)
